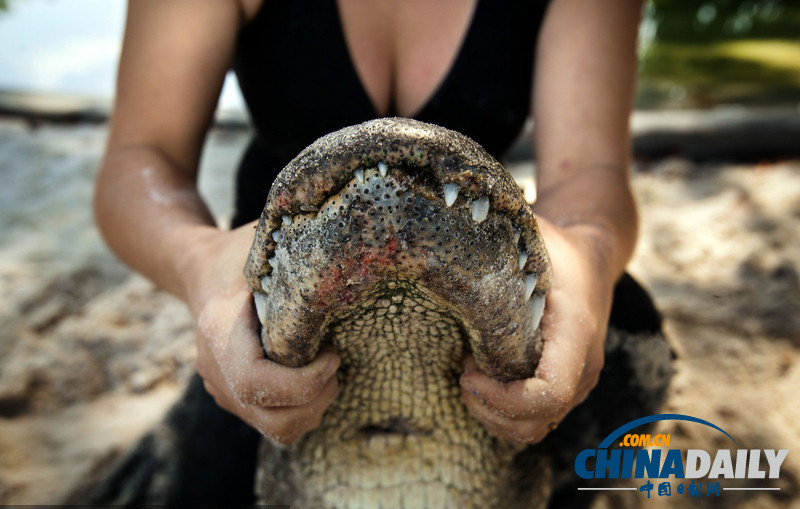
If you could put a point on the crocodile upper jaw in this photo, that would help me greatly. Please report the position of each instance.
(399, 198)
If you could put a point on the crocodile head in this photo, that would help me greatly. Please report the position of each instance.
(404, 247)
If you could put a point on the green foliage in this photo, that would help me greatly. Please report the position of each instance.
(714, 20)
(702, 54)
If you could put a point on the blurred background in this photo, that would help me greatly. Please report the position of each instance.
(695, 54)
(92, 355)
(705, 54)
(60, 56)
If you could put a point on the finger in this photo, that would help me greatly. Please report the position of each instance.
(518, 400)
(522, 432)
(501, 398)
(269, 384)
(470, 366)
(287, 425)
(237, 359)
(591, 373)
(208, 369)
(571, 361)
(256, 380)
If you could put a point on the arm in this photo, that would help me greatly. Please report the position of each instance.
(146, 202)
(582, 99)
(173, 64)
(582, 102)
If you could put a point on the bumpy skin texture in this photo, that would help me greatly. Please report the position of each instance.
(325, 232)
(405, 247)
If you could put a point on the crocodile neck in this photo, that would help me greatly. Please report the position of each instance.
(398, 433)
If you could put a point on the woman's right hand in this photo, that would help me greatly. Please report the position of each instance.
(282, 403)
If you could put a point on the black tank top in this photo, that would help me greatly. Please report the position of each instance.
(299, 83)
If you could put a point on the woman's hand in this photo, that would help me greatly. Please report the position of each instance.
(282, 403)
(582, 99)
(573, 328)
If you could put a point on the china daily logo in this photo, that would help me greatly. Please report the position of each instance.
(649, 458)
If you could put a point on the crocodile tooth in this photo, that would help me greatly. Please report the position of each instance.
(517, 235)
(277, 236)
(360, 175)
(450, 193)
(287, 220)
(523, 257)
(530, 284)
(261, 307)
(537, 306)
(530, 193)
(265, 282)
(273, 262)
(480, 209)
(382, 168)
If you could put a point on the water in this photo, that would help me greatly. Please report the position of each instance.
(61, 46)
(68, 47)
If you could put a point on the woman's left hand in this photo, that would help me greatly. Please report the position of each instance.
(573, 328)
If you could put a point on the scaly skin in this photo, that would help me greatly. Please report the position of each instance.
(403, 246)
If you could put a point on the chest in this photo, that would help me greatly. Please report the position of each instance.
(310, 67)
(401, 50)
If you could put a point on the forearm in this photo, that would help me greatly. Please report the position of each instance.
(174, 59)
(150, 216)
(583, 96)
(597, 202)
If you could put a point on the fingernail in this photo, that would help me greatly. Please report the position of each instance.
(331, 367)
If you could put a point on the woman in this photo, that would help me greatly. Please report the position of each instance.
(309, 69)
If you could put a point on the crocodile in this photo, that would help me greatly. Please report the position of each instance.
(403, 246)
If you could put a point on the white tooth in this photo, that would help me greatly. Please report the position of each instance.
(287, 220)
(276, 235)
(261, 307)
(537, 307)
(382, 168)
(451, 193)
(480, 209)
(517, 235)
(360, 175)
(523, 257)
(265, 283)
(530, 193)
(273, 263)
(530, 284)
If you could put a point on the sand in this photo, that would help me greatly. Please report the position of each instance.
(92, 355)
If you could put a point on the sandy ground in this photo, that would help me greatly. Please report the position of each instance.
(91, 355)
